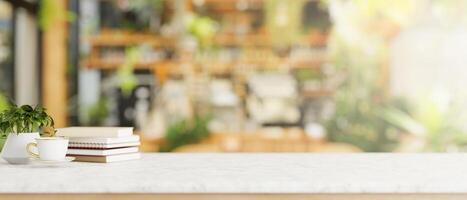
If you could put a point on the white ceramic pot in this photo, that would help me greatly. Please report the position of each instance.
(14, 150)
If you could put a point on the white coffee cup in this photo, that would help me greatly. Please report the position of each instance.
(49, 148)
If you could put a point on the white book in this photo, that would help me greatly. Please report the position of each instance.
(95, 132)
(107, 159)
(102, 152)
(102, 146)
(108, 140)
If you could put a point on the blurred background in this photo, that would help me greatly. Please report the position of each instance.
(245, 75)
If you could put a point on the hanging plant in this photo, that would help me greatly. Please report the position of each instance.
(203, 29)
(126, 77)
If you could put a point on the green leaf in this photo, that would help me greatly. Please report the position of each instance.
(27, 108)
(24, 119)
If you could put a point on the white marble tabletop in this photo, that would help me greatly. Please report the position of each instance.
(246, 173)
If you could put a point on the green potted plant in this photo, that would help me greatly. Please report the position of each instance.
(21, 125)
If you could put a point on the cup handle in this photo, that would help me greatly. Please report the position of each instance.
(28, 149)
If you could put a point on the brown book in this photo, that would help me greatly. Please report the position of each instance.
(108, 159)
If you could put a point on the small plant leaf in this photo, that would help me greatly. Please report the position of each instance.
(25, 119)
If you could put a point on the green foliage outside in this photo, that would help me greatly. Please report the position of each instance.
(442, 129)
(360, 53)
(365, 115)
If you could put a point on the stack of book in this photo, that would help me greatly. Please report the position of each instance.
(101, 144)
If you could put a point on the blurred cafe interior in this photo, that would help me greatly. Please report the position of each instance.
(245, 75)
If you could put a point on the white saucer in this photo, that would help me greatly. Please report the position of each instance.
(66, 160)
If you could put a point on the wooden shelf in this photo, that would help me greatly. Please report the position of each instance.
(112, 65)
(235, 40)
(115, 38)
(216, 67)
(257, 64)
(231, 6)
(109, 38)
(259, 40)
